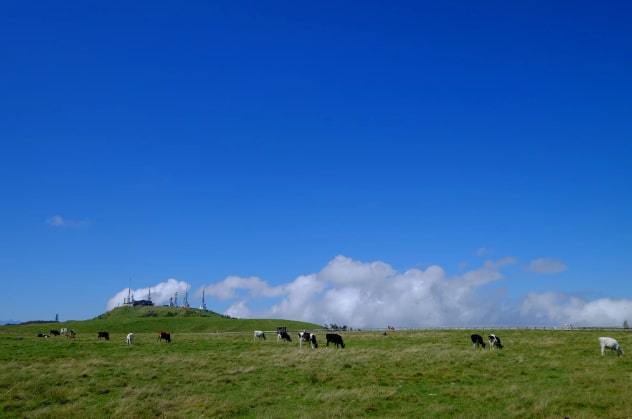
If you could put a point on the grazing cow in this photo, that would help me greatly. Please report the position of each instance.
(477, 340)
(164, 336)
(611, 344)
(305, 336)
(42, 335)
(259, 335)
(129, 339)
(54, 332)
(334, 338)
(103, 335)
(283, 335)
(63, 331)
(70, 333)
(494, 342)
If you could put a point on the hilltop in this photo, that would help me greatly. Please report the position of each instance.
(174, 319)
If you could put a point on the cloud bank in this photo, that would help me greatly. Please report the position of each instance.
(374, 294)
(160, 293)
(561, 308)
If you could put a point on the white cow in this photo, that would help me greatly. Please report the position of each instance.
(610, 343)
(130, 338)
(259, 335)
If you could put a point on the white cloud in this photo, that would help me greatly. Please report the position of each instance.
(547, 266)
(365, 294)
(374, 294)
(560, 308)
(343, 270)
(160, 293)
(60, 222)
(239, 310)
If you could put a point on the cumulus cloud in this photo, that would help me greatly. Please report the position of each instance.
(560, 308)
(239, 310)
(547, 266)
(374, 294)
(160, 293)
(59, 221)
(366, 294)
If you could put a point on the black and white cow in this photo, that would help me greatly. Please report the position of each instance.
(477, 340)
(259, 335)
(494, 342)
(305, 336)
(54, 332)
(283, 335)
(103, 335)
(42, 335)
(334, 338)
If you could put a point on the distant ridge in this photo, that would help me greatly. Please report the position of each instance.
(173, 319)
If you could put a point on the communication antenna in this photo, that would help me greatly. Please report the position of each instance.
(129, 298)
(149, 295)
(203, 302)
(175, 299)
(186, 298)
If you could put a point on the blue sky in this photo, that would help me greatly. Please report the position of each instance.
(197, 141)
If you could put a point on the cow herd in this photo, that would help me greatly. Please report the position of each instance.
(306, 337)
(495, 343)
(303, 337)
(493, 340)
(69, 333)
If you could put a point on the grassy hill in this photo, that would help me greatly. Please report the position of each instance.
(153, 319)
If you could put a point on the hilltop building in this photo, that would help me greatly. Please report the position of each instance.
(129, 301)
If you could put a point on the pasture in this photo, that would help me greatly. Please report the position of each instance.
(415, 374)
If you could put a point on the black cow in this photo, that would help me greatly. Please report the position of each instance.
(164, 336)
(477, 340)
(54, 332)
(103, 335)
(335, 338)
(42, 335)
(494, 342)
(283, 335)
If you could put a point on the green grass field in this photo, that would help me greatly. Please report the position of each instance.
(414, 374)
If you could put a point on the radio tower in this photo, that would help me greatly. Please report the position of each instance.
(186, 298)
(203, 302)
(175, 299)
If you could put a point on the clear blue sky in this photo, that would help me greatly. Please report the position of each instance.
(195, 141)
